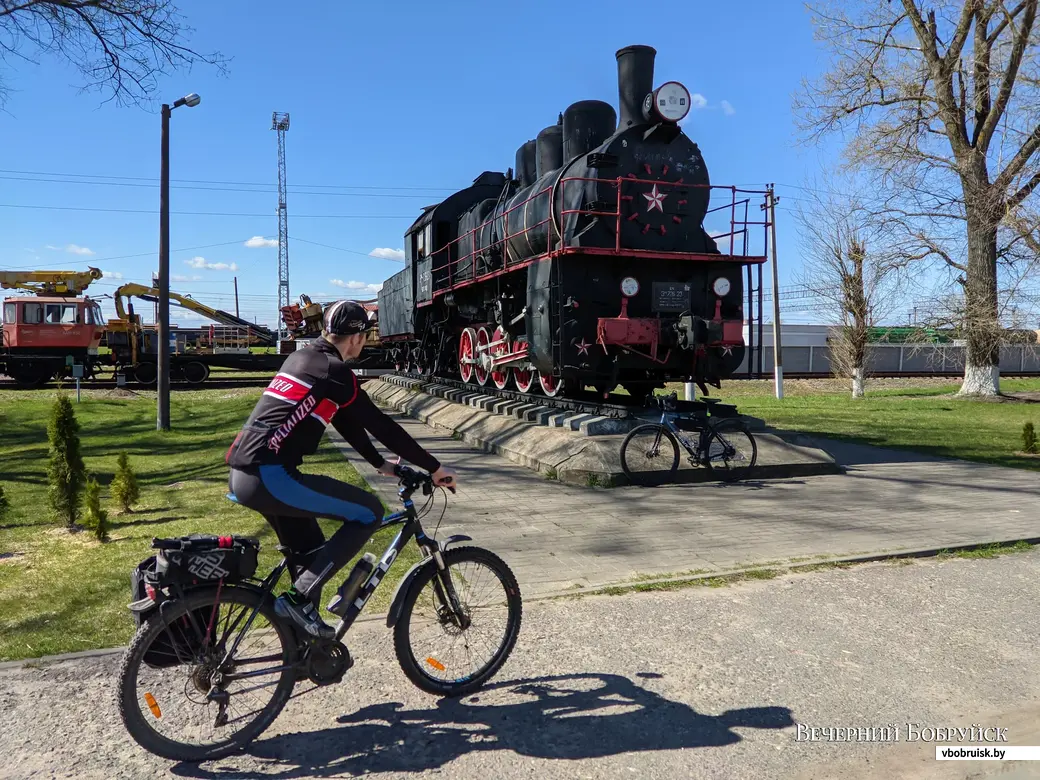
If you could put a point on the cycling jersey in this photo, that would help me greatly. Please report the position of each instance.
(313, 389)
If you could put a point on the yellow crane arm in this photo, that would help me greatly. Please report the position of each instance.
(49, 282)
(131, 288)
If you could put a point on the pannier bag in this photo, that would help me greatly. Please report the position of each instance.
(187, 561)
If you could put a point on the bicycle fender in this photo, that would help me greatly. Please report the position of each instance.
(397, 604)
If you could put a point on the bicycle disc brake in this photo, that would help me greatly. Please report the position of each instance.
(327, 661)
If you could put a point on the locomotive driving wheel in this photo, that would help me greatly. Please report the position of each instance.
(552, 386)
(503, 346)
(482, 355)
(467, 353)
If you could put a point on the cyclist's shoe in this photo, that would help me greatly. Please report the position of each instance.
(304, 615)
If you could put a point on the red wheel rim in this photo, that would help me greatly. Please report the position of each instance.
(466, 341)
(524, 378)
(483, 339)
(500, 376)
(550, 385)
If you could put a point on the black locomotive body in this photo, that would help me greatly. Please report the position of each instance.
(590, 266)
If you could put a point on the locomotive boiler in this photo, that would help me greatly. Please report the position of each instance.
(586, 265)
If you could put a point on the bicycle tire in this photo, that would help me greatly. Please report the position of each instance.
(129, 706)
(402, 629)
(642, 478)
(731, 427)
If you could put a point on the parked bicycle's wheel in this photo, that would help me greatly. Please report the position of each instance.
(650, 455)
(732, 451)
(452, 638)
(170, 693)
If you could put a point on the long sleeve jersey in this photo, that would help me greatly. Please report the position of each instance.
(316, 388)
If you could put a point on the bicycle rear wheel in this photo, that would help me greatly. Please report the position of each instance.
(171, 697)
(650, 455)
(465, 631)
(732, 451)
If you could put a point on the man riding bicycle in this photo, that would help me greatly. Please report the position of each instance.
(316, 387)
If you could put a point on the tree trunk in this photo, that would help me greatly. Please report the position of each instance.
(857, 382)
(981, 321)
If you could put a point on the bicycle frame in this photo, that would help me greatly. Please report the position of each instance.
(411, 528)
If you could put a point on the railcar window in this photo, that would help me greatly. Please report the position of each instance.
(62, 314)
(9, 313)
(32, 313)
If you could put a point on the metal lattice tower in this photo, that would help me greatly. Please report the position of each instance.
(280, 122)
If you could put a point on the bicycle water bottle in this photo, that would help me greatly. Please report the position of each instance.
(351, 586)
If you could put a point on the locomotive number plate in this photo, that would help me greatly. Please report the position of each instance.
(671, 296)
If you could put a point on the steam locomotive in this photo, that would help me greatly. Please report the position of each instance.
(588, 266)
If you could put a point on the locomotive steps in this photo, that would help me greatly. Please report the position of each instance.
(570, 445)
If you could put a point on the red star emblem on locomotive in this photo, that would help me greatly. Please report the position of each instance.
(655, 199)
(583, 346)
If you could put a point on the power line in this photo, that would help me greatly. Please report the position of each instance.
(266, 191)
(230, 183)
(203, 213)
(341, 249)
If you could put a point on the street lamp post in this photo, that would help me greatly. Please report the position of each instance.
(163, 347)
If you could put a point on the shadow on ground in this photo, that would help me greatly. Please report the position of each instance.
(572, 716)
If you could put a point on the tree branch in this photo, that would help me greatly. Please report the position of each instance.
(1010, 74)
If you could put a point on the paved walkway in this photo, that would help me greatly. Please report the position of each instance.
(558, 536)
(705, 683)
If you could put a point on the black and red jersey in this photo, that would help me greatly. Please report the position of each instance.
(313, 389)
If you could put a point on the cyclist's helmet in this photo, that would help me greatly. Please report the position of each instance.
(344, 318)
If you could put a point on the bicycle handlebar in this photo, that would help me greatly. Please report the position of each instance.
(413, 480)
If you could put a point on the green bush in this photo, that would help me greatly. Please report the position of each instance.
(124, 485)
(65, 471)
(1029, 438)
(96, 517)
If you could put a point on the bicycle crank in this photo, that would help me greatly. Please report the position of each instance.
(327, 661)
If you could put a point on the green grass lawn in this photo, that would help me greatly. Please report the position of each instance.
(912, 414)
(61, 592)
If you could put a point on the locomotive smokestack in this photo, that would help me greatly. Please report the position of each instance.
(635, 65)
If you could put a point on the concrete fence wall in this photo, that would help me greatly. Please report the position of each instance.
(894, 359)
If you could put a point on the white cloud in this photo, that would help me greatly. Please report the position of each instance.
(385, 253)
(722, 239)
(111, 275)
(180, 278)
(359, 287)
(202, 262)
(727, 108)
(72, 249)
(697, 100)
(259, 241)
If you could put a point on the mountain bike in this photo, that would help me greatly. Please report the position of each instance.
(212, 665)
(650, 452)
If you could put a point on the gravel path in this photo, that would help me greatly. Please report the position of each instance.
(701, 683)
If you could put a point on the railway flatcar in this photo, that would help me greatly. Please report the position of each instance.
(587, 265)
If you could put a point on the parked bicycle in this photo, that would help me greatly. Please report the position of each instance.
(212, 665)
(724, 445)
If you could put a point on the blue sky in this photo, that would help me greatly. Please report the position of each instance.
(392, 105)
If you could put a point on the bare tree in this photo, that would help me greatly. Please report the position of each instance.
(119, 46)
(849, 269)
(942, 99)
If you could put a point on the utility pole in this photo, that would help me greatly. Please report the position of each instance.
(280, 122)
(163, 328)
(778, 362)
(236, 296)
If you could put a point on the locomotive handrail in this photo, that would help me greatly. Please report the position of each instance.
(738, 227)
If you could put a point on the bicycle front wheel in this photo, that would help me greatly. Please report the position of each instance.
(458, 627)
(178, 698)
(650, 455)
(732, 451)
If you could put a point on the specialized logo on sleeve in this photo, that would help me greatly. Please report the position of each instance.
(299, 413)
(286, 387)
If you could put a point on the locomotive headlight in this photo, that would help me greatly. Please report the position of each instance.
(670, 102)
(721, 287)
(629, 286)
